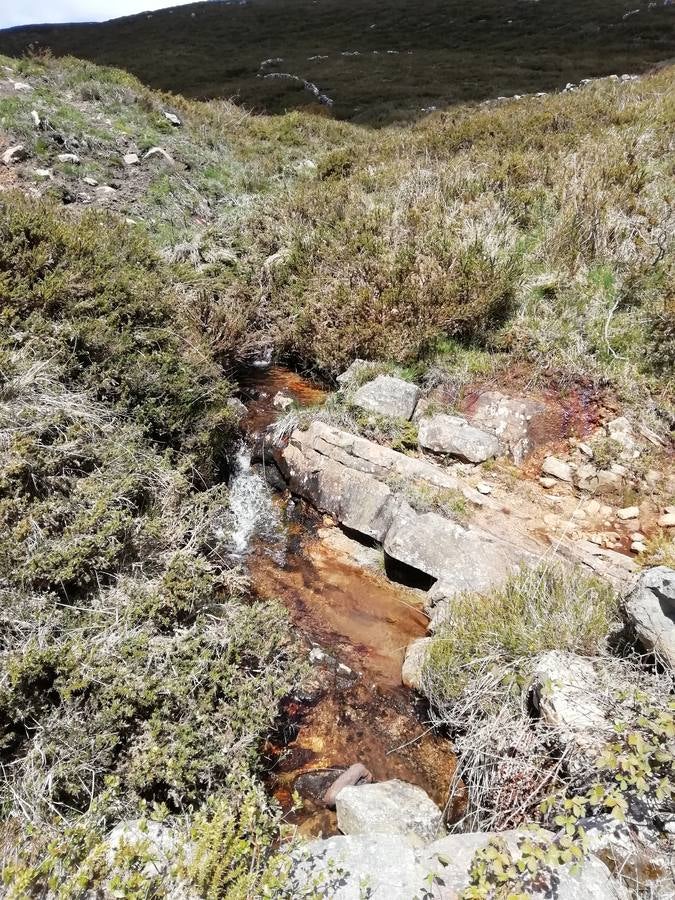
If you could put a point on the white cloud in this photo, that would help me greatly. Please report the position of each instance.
(28, 12)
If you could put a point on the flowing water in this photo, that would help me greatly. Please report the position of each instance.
(355, 623)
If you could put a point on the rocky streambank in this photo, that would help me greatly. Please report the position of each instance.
(476, 500)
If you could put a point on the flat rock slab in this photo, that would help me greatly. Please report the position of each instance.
(453, 435)
(387, 867)
(650, 608)
(389, 807)
(464, 559)
(388, 396)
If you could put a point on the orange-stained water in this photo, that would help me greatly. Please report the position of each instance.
(365, 622)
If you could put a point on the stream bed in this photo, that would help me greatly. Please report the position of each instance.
(355, 625)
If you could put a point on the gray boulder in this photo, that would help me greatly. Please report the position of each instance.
(650, 608)
(520, 424)
(450, 860)
(14, 155)
(465, 559)
(568, 692)
(354, 371)
(453, 435)
(387, 867)
(153, 840)
(349, 867)
(388, 396)
(389, 807)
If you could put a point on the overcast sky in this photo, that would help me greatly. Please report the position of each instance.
(26, 12)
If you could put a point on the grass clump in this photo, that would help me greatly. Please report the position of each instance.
(545, 608)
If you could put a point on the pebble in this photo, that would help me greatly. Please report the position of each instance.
(69, 158)
(547, 482)
(92, 182)
(628, 512)
(558, 468)
(483, 488)
(131, 159)
(173, 118)
(43, 173)
(35, 117)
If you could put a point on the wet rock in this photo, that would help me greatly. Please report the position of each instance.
(558, 468)
(354, 776)
(650, 609)
(413, 664)
(388, 396)
(517, 422)
(389, 807)
(282, 401)
(14, 155)
(339, 867)
(568, 695)
(453, 435)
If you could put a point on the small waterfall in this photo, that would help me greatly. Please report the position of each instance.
(253, 514)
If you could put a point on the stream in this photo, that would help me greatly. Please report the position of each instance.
(355, 624)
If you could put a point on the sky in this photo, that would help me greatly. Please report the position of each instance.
(27, 12)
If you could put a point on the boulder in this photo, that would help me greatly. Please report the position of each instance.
(413, 664)
(650, 608)
(465, 559)
(626, 853)
(387, 867)
(13, 155)
(568, 692)
(450, 860)
(354, 371)
(519, 423)
(158, 153)
(389, 807)
(339, 867)
(353, 776)
(558, 468)
(154, 840)
(453, 435)
(388, 396)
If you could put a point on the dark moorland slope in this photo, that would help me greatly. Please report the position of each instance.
(376, 61)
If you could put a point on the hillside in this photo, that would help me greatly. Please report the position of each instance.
(184, 655)
(377, 62)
